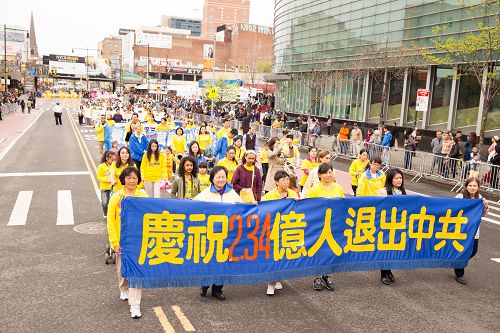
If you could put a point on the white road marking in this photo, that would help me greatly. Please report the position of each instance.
(492, 214)
(167, 327)
(496, 259)
(64, 208)
(13, 143)
(48, 173)
(19, 214)
(2, 139)
(98, 193)
(490, 220)
(183, 319)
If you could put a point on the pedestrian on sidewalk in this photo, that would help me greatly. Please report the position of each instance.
(58, 110)
(356, 139)
(29, 105)
(410, 146)
(436, 146)
(343, 138)
(23, 106)
(329, 122)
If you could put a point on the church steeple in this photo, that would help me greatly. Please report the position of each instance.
(33, 45)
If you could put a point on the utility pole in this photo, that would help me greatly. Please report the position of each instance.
(5, 55)
(213, 74)
(87, 68)
(147, 71)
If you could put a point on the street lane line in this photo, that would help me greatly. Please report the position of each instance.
(183, 319)
(50, 173)
(19, 214)
(496, 259)
(2, 140)
(64, 208)
(167, 327)
(80, 141)
(492, 214)
(490, 220)
(13, 143)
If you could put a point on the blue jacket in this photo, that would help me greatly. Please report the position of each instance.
(387, 139)
(137, 148)
(220, 149)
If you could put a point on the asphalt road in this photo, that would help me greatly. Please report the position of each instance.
(55, 280)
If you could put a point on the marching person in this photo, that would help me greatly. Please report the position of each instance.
(471, 191)
(372, 180)
(100, 127)
(324, 156)
(358, 166)
(138, 144)
(394, 185)
(123, 161)
(327, 187)
(247, 180)
(179, 142)
(309, 163)
(219, 191)
(280, 191)
(153, 169)
(103, 176)
(58, 110)
(186, 185)
(130, 178)
(276, 160)
(229, 162)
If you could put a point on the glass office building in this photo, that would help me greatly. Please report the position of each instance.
(335, 35)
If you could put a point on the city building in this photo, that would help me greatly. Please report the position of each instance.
(336, 36)
(182, 23)
(220, 12)
(110, 48)
(33, 54)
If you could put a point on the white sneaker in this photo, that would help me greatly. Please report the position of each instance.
(278, 285)
(270, 289)
(124, 295)
(135, 311)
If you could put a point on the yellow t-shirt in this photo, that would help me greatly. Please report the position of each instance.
(103, 173)
(263, 156)
(356, 170)
(161, 127)
(275, 195)
(309, 165)
(370, 187)
(320, 191)
(230, 166)
(179, 144)
(204, 140)
(223, 131)
(204, 181)
(240, 153)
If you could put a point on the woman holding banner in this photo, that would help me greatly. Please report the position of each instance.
(327, 187)
(281, 191)
(471, 191)
(153, 169)
(130, 178)
(394, 185)
(219, 191)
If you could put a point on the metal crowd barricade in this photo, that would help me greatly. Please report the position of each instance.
(489, 175)
(446, 168)
(407, 160)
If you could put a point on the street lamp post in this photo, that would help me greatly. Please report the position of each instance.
(213, 71)
(147, 70)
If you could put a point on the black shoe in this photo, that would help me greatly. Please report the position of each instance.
(460, 280)
(385, 280)
(219, 295)
(391, 277)
(327, 279)
(317, 284)
(204, 291)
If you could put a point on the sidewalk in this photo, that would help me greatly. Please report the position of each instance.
(15, 125)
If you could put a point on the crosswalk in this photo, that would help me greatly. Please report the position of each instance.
(65, 214)
(494, 213)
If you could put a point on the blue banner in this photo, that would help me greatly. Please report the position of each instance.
(114, 133)
(169, 242)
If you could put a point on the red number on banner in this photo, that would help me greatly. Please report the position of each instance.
(252, 236)
(265, 235)
(238, 236)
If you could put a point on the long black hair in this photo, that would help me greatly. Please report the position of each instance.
(119, 160)
(107, 154)
(191, 149)
(390, 174)
(149, 152)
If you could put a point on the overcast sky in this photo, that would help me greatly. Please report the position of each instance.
(63, 25)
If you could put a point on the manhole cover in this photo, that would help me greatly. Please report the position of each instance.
(91, 228)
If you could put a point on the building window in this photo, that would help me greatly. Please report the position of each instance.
(469, 94)
(376, 98)
(418, 81)
(395, 99)
(441, 95)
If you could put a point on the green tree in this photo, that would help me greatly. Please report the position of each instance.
(264, 66)
(475, 52)
(225, 92)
